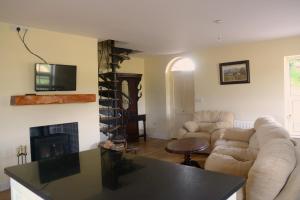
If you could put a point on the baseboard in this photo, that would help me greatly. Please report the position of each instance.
(4, 186)
(158, 136)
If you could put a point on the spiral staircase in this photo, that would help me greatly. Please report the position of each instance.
(112, 120)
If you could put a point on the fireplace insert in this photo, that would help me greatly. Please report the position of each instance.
(53, 140)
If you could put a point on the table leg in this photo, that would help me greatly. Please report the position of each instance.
(188, 161)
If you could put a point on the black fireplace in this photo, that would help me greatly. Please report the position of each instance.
(53, 140)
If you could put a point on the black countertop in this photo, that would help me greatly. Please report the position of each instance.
(113, 176)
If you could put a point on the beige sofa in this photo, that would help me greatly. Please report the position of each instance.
(265, 156)
(207, 125)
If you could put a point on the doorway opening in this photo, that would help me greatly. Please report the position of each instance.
(180, 101)
(292, 95)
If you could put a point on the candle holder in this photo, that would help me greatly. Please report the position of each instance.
(22, 154)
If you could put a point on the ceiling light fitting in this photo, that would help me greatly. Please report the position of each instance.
(218, 21)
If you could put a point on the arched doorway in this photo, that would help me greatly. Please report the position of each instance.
(180, 101)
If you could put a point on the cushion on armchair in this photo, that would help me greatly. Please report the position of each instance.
(223, 125)
(181, 133)
(207, 126)
(214, 116)
(191, 126)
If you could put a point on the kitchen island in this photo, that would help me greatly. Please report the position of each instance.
(110, 175)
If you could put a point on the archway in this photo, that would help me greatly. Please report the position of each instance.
(180, 102)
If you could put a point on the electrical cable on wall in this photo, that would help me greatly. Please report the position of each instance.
(22, 38)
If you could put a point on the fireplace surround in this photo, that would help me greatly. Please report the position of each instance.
(53, 140)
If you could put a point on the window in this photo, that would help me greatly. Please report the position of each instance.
(183, 64)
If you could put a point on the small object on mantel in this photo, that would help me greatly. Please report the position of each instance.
(51, 99)
(30, 94)
(22, 153)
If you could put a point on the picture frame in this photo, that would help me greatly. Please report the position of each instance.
(234, 72)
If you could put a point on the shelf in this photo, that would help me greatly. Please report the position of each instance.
(51, 99)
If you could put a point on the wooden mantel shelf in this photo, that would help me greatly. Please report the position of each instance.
(51, 99)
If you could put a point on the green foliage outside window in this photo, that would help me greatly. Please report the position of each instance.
(295, 72)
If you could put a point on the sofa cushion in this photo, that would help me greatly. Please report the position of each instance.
(223, 125)
(203, 135)
(227, 164)
(206, 116)
(267, 132)
(207, 126)
(238, 134)
(275, 161)
(253, 142)
(231, 143)
(191, 126)
(291, 189)
(241, 154)
(263, 120)
(214, 116)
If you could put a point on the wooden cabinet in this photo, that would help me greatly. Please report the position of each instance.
(129, 85)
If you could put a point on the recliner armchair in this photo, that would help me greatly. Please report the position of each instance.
(208, 125)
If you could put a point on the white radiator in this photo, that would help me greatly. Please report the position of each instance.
(243, 124)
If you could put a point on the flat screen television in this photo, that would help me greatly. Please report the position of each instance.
(54, 77)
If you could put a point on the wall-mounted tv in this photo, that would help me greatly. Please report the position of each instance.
(54, 77)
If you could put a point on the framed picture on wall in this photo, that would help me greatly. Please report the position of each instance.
(234, 72)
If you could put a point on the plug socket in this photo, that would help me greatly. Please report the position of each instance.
(18, 28)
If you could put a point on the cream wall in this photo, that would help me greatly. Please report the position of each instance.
(263, 96)
(157, 123)
(17, 78)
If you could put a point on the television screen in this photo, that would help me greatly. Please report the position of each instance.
(53, 77)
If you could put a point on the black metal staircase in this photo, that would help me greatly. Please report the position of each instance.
(112, 122)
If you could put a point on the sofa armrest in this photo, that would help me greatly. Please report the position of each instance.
(238, 134)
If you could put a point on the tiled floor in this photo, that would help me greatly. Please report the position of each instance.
(153, 148)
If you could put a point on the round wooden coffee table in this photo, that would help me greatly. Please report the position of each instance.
(187, 146)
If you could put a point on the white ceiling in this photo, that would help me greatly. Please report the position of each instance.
(160, 26)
